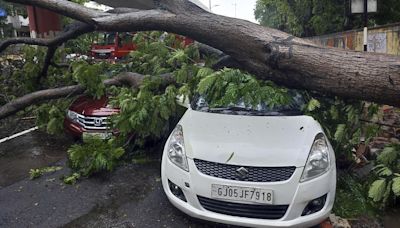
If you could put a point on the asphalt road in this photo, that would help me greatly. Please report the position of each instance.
(131, 196)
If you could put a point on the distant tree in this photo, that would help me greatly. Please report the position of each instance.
(316, 17)
(388, 12)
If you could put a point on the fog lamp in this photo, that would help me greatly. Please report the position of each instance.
(176, 191)
(314, 205)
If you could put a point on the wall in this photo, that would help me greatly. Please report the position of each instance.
(382, 39)
(43, 23)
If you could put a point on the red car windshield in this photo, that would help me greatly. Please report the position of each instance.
(108, 39)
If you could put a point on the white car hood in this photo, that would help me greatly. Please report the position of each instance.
(253, 140)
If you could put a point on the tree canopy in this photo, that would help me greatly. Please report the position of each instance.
(306, 18)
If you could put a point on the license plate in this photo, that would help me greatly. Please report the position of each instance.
(257, 195)
(102, 135)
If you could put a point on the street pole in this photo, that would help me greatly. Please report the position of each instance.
(235, 8)
(365, 25)
(235, 4)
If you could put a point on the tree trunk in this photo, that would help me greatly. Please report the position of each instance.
(267, 53)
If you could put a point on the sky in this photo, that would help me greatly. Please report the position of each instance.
(244, 8)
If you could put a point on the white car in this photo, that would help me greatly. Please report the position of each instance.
(256, 168)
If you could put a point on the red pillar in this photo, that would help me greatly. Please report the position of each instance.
(43, 23)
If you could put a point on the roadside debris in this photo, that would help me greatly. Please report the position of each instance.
(338, 222)
(389, 134)
(36, 173)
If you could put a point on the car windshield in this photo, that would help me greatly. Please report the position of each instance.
(294, 107)
(108, 39)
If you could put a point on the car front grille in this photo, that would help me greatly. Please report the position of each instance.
(260, 211)
(93, 122)
(252, 174)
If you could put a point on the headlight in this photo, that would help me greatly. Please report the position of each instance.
(176, 149)
(318, 159)
(72, 115)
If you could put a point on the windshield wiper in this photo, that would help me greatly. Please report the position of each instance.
(232, 109)
(290, 111)
(249, 111)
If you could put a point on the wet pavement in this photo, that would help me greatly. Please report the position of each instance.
(29, 151)
(131, 196)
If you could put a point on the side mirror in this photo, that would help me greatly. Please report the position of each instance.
(183, 101)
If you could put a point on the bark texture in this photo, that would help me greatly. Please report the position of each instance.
(267, 53)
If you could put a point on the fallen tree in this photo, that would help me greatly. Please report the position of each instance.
(130, 79)
(267, 53)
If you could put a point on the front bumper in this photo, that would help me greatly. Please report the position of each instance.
(73, 128)
(76, 130)
(291, 192)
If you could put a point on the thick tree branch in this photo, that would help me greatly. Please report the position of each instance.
(133, 80)
(208, 50)
(47, 62)
(23, 40)
(267, 53)
(226, 61)
(72, 32)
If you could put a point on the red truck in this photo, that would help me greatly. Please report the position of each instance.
(113, 45)
(117, 45)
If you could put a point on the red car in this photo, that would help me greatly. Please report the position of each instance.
(89, 116)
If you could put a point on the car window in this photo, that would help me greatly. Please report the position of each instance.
(108, 39)
(295, 107)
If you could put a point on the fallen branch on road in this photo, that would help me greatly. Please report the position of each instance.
(133, 80)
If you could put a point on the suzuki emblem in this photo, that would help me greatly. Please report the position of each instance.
(242, 173)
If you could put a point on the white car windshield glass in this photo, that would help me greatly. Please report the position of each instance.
(294, 107)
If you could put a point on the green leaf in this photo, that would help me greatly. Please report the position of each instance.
(387, 192)
(385, 171)
(34, 173)
(388, 155)
(377, 190)
(396, 186)
(71, 179)
(340, 132)
(313, 104)
(204, 72)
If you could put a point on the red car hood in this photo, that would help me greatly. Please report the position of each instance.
(91, 107)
